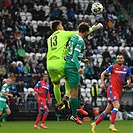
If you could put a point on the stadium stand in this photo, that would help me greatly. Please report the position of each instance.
(27, 26)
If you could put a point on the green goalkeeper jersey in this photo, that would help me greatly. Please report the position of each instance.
(75, 50)
(57, 44)
(4, 88)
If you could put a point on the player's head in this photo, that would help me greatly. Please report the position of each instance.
(83, 28)
(8, 81)
(56, 25)
(120, 59)
(45, 77)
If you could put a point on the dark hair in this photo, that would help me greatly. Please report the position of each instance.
(120, 54)
(54, 24)
(83, 27)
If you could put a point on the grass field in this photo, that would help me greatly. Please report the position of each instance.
(64, 127)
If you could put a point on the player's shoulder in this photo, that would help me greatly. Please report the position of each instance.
(4, 86)
(115, 65)
(126, 67)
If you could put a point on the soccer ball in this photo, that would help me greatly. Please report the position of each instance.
(97, 8)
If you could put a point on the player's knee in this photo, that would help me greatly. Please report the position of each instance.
(0, 113)
(74, 93)
(57, 82)
(47, 110)
(8, 112)
(117, 106)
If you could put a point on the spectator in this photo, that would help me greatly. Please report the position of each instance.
(19, 77)
(128, 107)
(21, 101)
(97, 70)
(31, 101)
(26, 80)
(29, 28)
(33, 60)
(23, 29)
(27, 68)
(41, 14)
(79, 9)
(71, 16)
(14, 90)
(20, 68)
(8, 60)
(14, 53)
(5, 12)
(89, 108)
(20, 88)
(7, 51)
(106, 54)
(13, 68)
(94, 94)
(33, 69)
(33, 80)
(54, 14)
(88, 72)
(12, 77)
(53, 5)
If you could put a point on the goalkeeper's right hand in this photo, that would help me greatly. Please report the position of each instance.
(96, 27)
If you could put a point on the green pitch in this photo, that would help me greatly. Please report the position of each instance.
(64, 127)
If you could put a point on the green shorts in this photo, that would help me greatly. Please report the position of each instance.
(3, 106)
(56, 69)
(73, 77)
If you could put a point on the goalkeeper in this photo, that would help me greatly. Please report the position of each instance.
(57, 50)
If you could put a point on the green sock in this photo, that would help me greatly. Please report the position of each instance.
(57, 93)
(67, 87)
(74, 105)
(3, 116)
(79, 93)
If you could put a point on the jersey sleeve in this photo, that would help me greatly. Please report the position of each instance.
(109, 69)
(128, 72)
(37, 86)
(90, 30)
(71, 33)
(3, 88)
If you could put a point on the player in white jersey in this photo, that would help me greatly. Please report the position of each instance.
(4, 94)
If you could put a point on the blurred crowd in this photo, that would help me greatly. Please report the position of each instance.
(23, 45)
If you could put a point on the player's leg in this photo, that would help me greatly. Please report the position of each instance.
(57, 93)
(39, 116)
(101, 117)
(44, 117)
(80, 109)
(0, 115)
(55, 69)
(73, 80)
(116, 105)
(114, 112)
(3, 105)
(66, 97)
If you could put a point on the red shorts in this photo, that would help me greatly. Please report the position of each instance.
(112, 95)
(42, 105)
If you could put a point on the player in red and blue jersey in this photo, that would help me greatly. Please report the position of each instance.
(118, 74)
(43, 94)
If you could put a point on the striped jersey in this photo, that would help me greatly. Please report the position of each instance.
(4, 88)
(75, 52)
(118, 75)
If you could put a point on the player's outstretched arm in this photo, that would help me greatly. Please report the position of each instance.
(97, 26)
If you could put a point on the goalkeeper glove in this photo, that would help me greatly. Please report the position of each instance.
(96, 27)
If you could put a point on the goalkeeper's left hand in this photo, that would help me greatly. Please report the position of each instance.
(96, 27)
